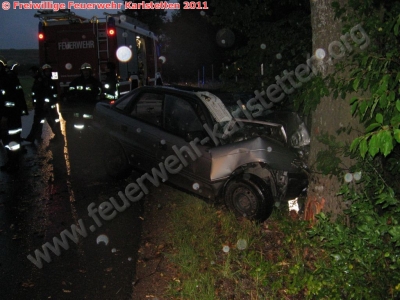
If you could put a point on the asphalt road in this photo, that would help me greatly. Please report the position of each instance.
(51, 191)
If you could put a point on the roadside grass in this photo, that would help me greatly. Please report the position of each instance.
(219, 256)
(222, 257)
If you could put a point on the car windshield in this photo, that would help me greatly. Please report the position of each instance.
(232, 127)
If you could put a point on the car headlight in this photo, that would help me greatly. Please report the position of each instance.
(301, 137)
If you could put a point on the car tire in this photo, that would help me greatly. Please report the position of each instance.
(115, 161)
(249, 198)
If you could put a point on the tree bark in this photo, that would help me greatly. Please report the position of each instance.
(331, 114)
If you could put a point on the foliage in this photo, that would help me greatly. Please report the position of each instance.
(282, 259)
(190, 47)
(364, 246)
(274, 34)
(365, 255)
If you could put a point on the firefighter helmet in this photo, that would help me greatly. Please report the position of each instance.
(12, 64)
(46, 66)
(86, 66)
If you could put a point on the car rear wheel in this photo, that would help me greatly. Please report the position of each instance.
(115, 161)
(249, 199)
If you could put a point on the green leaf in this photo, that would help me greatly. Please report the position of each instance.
(353, 99)
(363, 147)
(373, 146)
(386, 142)
(364, 61)
(395, 121)
(372, 127)
(366, 83)
(397, 135)
(335, 94)
(395, 232)
(398, 105)
(356, 82)
(379, 118)
(363, 108)
(396, 29)
(354, 108)
(392, 96)
(383, 102)
(355, 143)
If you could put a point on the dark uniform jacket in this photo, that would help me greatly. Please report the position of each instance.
(44, 93)
(84, 90)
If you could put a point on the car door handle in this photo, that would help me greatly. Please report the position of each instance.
(124, 128)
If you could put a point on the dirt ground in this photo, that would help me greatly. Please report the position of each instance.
(153, 270)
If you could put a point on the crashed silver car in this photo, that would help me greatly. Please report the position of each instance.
(190, 139)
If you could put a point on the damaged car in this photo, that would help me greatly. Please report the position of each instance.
(191, 140)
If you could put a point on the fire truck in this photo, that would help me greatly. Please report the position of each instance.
(67, 40)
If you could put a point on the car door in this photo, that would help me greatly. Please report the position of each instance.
(141, 129)
(183, 132)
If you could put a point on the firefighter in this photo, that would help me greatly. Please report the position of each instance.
(13, 107)
(3, 97)
(12, 72)
(110, 85)
(44, 94)
(85, 87)
(84, 92)
(35, 72)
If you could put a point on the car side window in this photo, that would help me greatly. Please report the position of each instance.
(180, 117)
(149, 108)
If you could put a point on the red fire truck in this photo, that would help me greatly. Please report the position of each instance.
(67, 40)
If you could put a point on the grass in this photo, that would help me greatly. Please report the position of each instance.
(221, 257)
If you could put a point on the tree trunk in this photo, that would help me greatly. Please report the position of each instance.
(331, 114)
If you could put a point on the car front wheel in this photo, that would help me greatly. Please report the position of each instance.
(249, 199)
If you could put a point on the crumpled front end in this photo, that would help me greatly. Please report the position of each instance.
(227, 158)
(256, 154)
